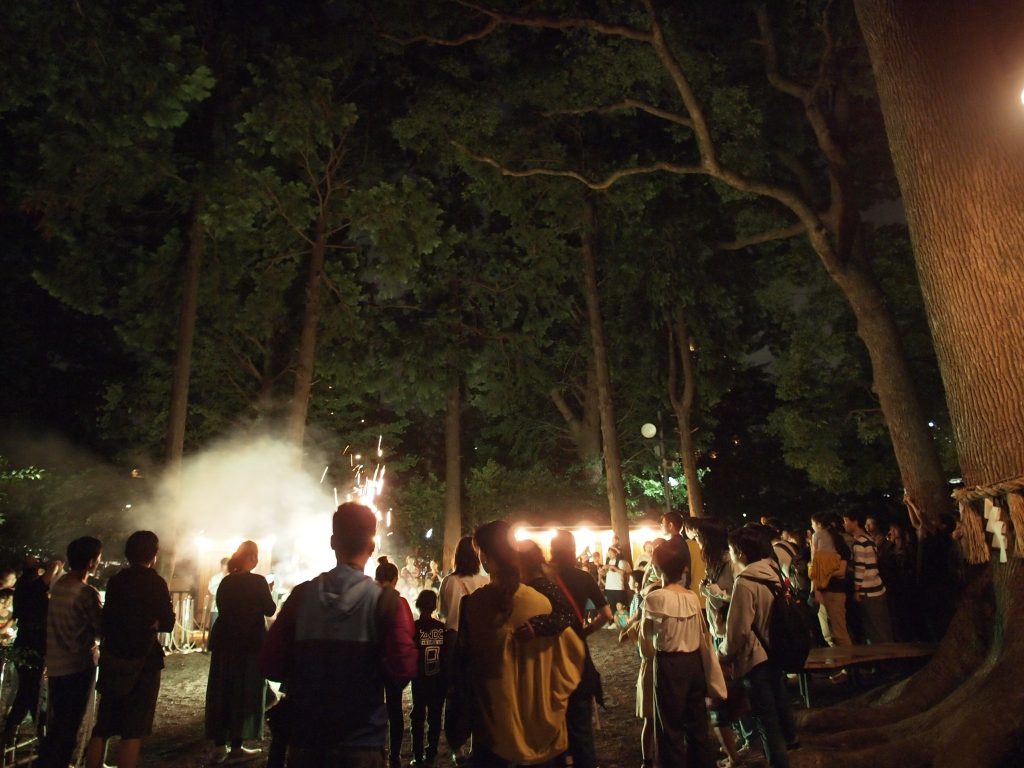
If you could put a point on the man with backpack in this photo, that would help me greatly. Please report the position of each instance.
(761, 642)
(336, 641)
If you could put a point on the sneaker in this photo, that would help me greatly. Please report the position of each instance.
(217, 755)
(242, 754)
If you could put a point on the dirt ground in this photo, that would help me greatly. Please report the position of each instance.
(178, 734)
(178, 739)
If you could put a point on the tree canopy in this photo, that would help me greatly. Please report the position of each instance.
(387, 200)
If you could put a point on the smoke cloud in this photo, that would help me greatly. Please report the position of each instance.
(247, 488)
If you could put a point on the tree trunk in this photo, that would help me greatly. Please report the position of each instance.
(178, 412)
(609, 433)
(954, 123)
(307, 338)
(893, 383)
(453, 467)
(950, 77)
(584, 430)
(682, 406)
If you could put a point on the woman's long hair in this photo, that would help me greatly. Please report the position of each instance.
(239, 561)
(713, 538)
(494, 539)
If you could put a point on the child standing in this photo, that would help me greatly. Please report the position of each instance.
(685, 667)
(428, 687)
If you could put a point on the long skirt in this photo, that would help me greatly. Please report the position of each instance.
(235, 697)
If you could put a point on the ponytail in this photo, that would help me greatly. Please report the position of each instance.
(495, 540)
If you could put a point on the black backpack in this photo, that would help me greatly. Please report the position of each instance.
(789, 638)
(799, 581)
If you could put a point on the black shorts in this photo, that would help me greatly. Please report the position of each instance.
(131, 716)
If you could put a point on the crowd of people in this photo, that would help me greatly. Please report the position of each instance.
(497, 657)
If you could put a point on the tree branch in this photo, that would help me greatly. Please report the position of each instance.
(696, 120)
(839, 182)
(563, 407)
(628, 103)
(782, 233)
(596, 184)
(568, 22)
(478, 34)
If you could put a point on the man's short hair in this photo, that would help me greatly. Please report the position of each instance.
(354, 526)
(752, 542)
(141, 547)
(671, 558)
(856, 515)
(83, 551)
(675, 519)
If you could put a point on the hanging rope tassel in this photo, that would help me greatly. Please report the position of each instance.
(1015, 501)
(975, 546)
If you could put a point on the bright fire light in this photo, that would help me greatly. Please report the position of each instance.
(302, 512)
(588, 539)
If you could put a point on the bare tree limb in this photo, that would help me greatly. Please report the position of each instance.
(568, 22)
(824, 135)
(629, 103)
(596, 184)
(469, 37)
(782, 233)
(563, 407)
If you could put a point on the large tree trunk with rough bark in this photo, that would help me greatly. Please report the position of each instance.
(609, 433)
(683, 396)
(949, 78)
(306, 357)
(452, 468)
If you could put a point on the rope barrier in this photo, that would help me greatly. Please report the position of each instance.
(975, 547)
(1012, 489)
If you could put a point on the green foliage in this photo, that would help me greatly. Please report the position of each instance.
(68, 502)
(9, 475)
(418, 507)
(441, 271)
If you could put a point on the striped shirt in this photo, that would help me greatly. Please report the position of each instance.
(72, 626)
(866, 579)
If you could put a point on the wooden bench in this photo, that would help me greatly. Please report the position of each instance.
(833, 659)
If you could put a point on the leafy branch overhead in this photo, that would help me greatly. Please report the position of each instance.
(765, 112)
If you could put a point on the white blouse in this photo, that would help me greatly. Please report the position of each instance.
(676, 619)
